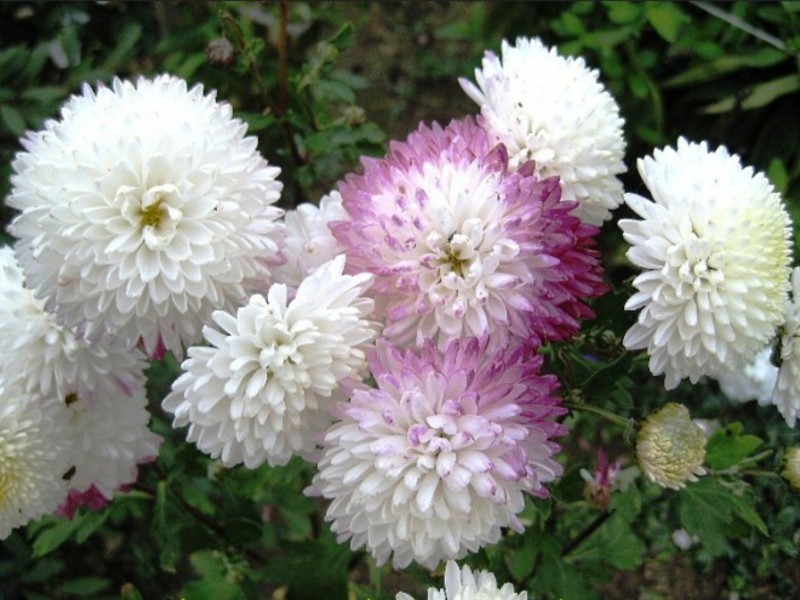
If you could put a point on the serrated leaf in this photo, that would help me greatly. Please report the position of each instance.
(728, 446)
(522, 559)
(562, 580)
(614, 543)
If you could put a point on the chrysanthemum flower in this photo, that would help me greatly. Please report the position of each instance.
(461, 247)
(670, 447)
(436, 460)
(791, 468)
(111, 439)
(48, 360)
(554, 110)
(263, 390)
(35, 456)
(786, 395)
(144, 208)
(714, 246)
(464, 584)
(756, 381)
(309, 242)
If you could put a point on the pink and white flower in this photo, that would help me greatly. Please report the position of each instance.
(462, 247)
(436, 460)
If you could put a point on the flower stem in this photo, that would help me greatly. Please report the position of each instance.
(606, 414)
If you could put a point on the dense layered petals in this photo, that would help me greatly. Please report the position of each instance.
(263, 389)
(714, 249)
(462, 247)
(35, 456)
(554, 111)
(786, 395)
(143, 209)
(756, 381)
(464, 584)
(436, 460)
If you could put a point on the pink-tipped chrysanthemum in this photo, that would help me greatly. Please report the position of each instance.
(144, 209)
(263, 390)
(462, 247)
(714, 249)
(437, 460)
(553, 110)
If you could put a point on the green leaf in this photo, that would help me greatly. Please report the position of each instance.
(126, 41)
(623, 13)
(666, 18)
(729, 446)
(13, 120)
(760, 95)
(562, 580)
(522, 559)
(84, 586)
(778, 175)
(614, 544)
(708, 71)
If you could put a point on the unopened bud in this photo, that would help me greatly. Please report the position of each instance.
(220, 52)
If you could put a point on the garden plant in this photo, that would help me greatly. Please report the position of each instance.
(365, 300)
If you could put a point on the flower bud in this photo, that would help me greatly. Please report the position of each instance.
(670, 447)
(791, 468)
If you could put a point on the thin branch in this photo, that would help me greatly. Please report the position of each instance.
(739, 23)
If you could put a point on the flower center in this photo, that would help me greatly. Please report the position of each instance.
(151, 215)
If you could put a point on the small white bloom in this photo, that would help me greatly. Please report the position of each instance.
(756, 381)
(714, 247)
(111, 440)
(142, 210)
(786, 395)
(35, 456)
(309, 242)
(48, 360)
(670, 447)
(464, 584)
(264, 389)
(554, 110)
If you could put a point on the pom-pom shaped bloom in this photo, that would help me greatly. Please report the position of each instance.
(464, 584)
(786, 395)
(714, 246)
(461, 247)
(309, 242)
(435, 461)
(111, 439)
(264, 388)
(554, 110)
(144, 208)
(670, 447)
(791, 468)
(52, 361)
(756, 381)
(35, 456)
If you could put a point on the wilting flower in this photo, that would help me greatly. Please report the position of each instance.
(462, 247)
(756, 381)
(554, 110)
(786, 396)
(464, 584)
(670, 447)
(714, 246)
(791, 468)
(309, 242)
(603, 481)
(434, 462)
(144, 209)
(35, 457)
(263, 390)
(49, 360)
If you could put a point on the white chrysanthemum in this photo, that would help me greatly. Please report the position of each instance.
(48, 360)
(714, 246)
(309, 243)
(670, 447)
(144, 209)
(786, 395)
(35, 456)
(111, 439)
(263, 391)
(464, 584)
(755, 381)
(554, 110)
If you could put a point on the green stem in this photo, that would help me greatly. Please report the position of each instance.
(606, 414)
